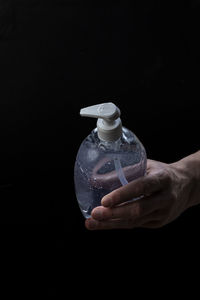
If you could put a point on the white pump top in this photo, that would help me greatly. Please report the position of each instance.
(109, 125)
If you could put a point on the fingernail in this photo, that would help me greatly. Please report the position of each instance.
(97, 213)
(91, 224)
(106, 201)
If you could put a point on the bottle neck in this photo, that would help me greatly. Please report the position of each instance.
(109, 131)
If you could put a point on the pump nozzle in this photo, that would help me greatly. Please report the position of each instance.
(108, 111)
(109, 124)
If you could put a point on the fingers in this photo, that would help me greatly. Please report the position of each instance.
(105, 213)
(149, 221)
(145, 185)
(147, 212)
(131, 210)
(93, 224)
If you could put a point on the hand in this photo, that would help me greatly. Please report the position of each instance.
(167, 190)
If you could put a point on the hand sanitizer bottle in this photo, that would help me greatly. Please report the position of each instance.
(109, 157)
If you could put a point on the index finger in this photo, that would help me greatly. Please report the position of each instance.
(145, 185)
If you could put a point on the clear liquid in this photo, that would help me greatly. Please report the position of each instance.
(95, 168)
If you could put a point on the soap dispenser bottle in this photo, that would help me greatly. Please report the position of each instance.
(109, 157)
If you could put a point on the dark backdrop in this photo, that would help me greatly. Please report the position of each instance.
(59, 56)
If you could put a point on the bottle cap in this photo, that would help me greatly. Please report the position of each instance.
(109, 125)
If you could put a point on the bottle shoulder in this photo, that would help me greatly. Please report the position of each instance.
(97, 157)
(128, 142)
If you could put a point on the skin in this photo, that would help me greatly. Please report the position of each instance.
(167, 189)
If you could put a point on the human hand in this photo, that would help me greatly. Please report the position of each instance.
(167, 190)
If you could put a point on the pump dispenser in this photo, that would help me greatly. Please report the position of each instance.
(109, 157)
(109, 125)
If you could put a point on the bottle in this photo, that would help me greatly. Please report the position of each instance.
(109, 157)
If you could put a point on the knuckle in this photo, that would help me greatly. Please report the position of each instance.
(167, 178)
(151, 184)
(161, 177)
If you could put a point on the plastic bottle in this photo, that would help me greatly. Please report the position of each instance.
(109, 157)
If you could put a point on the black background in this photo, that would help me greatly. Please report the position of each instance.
(59, 56)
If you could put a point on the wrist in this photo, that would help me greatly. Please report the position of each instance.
(190, 167)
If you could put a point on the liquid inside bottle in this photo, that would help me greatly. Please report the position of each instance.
(102, 167)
